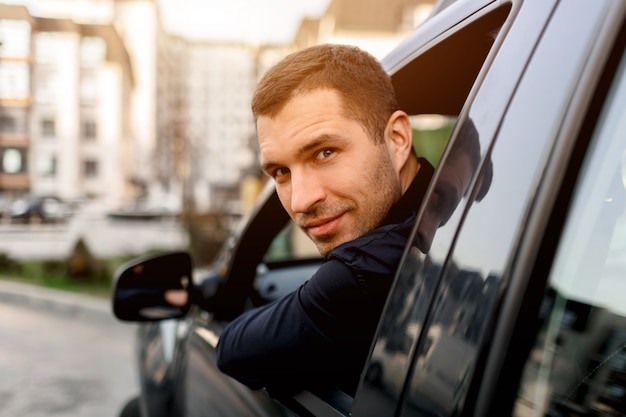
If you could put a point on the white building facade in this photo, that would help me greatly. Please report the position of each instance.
(220, 82)
(65, 116)
(15, 99)
(81, 137)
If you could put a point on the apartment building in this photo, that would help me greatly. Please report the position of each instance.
(153, 106)
(220, 82)
(106, 103)
(374, 25)
(16, 26)
(82, 144)
(65, 129)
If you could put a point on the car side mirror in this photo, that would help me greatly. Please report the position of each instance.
(153, 288)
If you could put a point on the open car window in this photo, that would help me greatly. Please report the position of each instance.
(291, 244)
(291, 259)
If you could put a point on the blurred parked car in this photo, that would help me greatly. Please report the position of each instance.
(148, 209)
(518, 307)
(40, 209)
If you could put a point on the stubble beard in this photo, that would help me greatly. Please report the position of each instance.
(385, 189)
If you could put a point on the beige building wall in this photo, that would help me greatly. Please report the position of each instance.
(137, 22)
(373, 25)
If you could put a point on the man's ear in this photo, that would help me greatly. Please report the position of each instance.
(399, 137)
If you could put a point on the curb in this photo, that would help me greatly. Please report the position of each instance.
(57, 300)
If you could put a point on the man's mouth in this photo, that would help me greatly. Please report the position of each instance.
(319, 228)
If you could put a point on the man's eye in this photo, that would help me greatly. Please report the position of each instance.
(279, 172)
(323, 154)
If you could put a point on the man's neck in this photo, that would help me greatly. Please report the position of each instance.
(408, 172)
(420, 173)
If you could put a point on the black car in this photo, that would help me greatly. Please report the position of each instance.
(518, 308)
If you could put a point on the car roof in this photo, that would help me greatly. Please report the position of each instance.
(446, 14)
(454, 42)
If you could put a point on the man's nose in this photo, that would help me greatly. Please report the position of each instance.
(306, 191)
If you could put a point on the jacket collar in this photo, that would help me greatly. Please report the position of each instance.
(411, 200)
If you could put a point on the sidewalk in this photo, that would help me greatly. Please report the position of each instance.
(55, 300)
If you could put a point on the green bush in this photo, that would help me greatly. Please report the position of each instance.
(431, 143)
(83, 267)
(80, 271)
(9, 265)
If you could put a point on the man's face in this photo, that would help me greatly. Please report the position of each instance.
(333, 180)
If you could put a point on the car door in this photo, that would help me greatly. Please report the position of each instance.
(464, 298)
(203, 390)
(417, 287)
(577, 363)
(564, 277)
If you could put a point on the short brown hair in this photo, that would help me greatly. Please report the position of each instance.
(364, 86)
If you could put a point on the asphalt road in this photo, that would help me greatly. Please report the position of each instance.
(63, 356)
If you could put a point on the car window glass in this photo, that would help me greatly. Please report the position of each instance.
(291, 243)
(450, 342)
(578, 364)
(431, 133)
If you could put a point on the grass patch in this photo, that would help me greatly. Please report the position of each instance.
(54, 273)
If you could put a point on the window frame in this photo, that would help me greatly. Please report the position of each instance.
(529, 266)
(570, 320)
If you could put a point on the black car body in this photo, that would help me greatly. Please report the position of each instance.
(519, 306)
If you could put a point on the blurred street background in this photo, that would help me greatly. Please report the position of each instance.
(125, 129)
(62, 356)
(105, 237)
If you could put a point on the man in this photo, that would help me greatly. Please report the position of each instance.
(340, 151)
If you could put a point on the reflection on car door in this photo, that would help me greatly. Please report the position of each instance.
(578, 363)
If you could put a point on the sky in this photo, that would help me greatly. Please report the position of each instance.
(260, 21)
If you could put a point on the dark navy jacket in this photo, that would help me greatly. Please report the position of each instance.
(322, 331)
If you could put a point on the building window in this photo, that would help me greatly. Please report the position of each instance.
(89, 130)
(47, 166)
(46, 44)
(48, 128)
(13, 120)
(88, 87)
(47, 85)
(14, 80)
(7, 123)
(12, 160)
(92, 51)
(15, 35)
(90, 168)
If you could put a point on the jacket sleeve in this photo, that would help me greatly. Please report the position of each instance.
(324, 329)
(301, 337)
